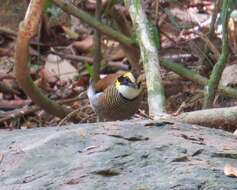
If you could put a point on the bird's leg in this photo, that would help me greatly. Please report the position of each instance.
(99, 119)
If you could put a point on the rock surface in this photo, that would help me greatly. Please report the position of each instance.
(137, 155)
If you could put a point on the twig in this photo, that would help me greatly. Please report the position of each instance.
(28, 110)
(210, 45)
(212, 28)
(69, 8)
(68, 117)
(97, 43)
(213, 19)
(195, 77)
(73, 57)
(8, 31)
(157, 4)
(7, 89)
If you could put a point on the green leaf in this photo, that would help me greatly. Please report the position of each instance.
(90, 70)
(47, 4)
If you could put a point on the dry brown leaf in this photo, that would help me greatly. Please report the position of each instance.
(229, 75)
(230, 170)
(90, 5)
(84, 45)
(5, 52)
(45, 79)
(13, 104)
(117, 54)
(60, 68)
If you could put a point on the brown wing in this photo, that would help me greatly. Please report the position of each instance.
(110, 79)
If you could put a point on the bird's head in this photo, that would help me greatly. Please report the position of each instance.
(127, 86)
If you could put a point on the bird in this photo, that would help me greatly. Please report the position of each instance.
(115, 97)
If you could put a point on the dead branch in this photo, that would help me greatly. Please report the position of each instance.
(97, 43)
(84, 16)
(216, 117)
(29, 110)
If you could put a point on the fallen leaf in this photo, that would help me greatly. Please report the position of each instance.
(84, 45)
(13, 104)
(46, 77)
(60, 68)
(230, 170)
(5, 52)
(229, 75)
(117, 54)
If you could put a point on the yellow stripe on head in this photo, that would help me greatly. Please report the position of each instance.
(117, 84)
(130, 76)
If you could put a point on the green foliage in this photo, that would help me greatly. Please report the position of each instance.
(47, 4)
(50, 9)
(35, 66)
(90, 70)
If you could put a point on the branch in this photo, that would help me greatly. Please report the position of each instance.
(27, 29)
(216, 117)
(97, 42)
(195, 77)
(147, 42)
(131, 51)
(220, 65)
(29, 110)
(84, 16)
(7, 31)
(213, 19)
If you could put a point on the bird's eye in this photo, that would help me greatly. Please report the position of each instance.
(126, 80)
(120, 79)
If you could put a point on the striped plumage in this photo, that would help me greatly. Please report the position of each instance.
(110, 104)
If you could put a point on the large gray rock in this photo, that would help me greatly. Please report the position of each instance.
(137, 155)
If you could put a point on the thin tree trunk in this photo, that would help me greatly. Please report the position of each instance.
(146, 37)
(97, 41)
